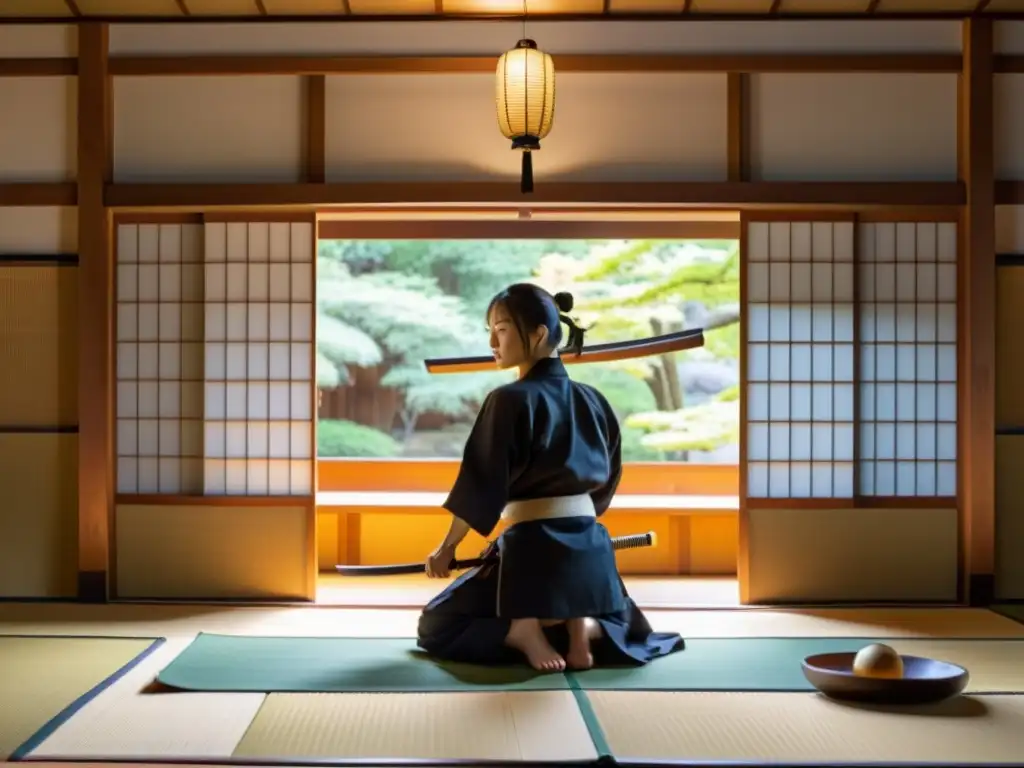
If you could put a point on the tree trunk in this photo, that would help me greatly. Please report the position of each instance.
(409, 419)
(668, 392)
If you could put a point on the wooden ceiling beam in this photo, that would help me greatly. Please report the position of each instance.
(142, 66)
(698, 193)
(137, 66)
(686, 15)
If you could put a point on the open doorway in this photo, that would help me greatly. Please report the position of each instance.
(390, 435)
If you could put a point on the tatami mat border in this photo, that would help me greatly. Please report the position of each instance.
(601, 762)
(21, 753)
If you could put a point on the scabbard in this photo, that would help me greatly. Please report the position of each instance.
(632, 541)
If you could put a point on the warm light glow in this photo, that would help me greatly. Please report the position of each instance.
(525, 94)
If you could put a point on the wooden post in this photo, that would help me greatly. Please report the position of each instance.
(737, 123)
(977, 296)
(95, 314)
(316, 128)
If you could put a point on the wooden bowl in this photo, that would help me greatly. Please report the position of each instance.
(924, 680)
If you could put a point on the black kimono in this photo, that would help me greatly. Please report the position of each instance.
(540, 437)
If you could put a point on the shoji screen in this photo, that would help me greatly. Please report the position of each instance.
(259, 359)
(849, 418)
(159, 359)
(908, 359)
(215, 359)
(800, 359)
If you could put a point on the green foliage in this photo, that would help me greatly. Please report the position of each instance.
(626, 393)
(337, 438)
(392, 304)
(641, 288)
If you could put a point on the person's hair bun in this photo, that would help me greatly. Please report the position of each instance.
(564, 302)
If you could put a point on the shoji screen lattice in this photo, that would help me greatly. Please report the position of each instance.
(908, 358)
(215, 359)
(159, 358)
(259, 358)
(800, 359)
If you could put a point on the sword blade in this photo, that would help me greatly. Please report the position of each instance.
(598, 353)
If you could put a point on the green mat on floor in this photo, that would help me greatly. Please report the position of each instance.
(332, 665)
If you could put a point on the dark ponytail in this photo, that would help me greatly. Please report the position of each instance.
(564, 302)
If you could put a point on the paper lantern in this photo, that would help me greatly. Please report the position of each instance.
(526, 101)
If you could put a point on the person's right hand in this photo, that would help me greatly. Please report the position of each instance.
(439, 562)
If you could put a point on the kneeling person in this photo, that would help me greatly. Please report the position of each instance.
(545, 455)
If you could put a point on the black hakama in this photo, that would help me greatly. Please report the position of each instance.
(541, 437)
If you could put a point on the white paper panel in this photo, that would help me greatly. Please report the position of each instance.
(212, 129)
(800, 359)
(258, 431)
(38, 131)
(608, 127)
(1008, 124)
(159, 363)
(854, 127)
(908, 359)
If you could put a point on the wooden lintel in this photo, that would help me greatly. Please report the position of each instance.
(41, 194)
(95, 311)
(977, 292)
(441, 229)
(138, 66)
(698, 193)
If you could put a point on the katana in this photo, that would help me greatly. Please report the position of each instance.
(490, 555)
(598, 353)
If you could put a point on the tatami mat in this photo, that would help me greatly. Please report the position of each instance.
(43, 678)
(774, 664)
(995, 666)
(532, 727)
(807, 728)
(126, 722)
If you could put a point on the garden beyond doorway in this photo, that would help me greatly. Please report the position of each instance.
(386, 305)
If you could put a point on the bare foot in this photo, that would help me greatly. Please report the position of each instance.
(526, 636)
(582, 632)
